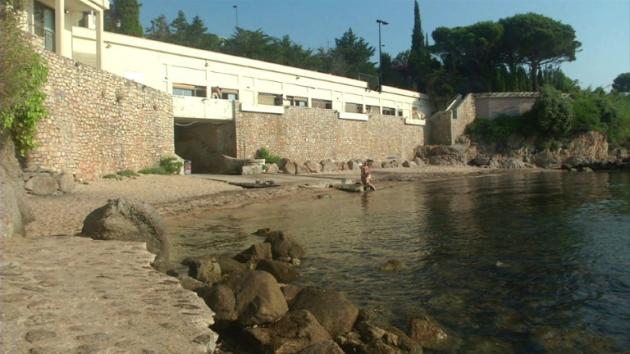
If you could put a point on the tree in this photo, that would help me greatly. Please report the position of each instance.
(419, 56)
(553, 113)
(124, 17)
(622, 83)
(251, 44)
(356, 54)
(159, 29)
(537, 40)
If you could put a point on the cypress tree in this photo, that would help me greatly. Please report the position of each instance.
(419, 57)
(127, 14)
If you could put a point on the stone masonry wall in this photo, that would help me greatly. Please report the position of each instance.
(315, 134)
(99, 123)
(463, 115)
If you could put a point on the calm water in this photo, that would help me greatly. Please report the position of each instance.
(534, 263)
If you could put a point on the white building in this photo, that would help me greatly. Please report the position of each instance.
(205, 83)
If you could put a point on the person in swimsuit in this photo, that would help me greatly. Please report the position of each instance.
(366, 178)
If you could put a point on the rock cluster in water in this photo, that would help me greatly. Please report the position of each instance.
(258, 311)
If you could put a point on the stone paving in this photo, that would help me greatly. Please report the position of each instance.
(77, 295)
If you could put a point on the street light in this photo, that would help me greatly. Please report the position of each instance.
(380, 55)
(235, 7)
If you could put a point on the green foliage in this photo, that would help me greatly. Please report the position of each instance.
(553, 113)
(171, 165)
(622, 83)
(127, 173)
(23, 74)
(500, 129)
(419, 60)
(124, 17)
(111, 176)
(263, 153)
(154, 171)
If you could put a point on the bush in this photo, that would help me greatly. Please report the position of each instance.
(22, 76)
(500, 129)
(154, 171)
(263, 153)
(127, 173)
(552, 113)
(171, 165)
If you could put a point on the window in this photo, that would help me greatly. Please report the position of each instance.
(219, 93)
(269, 99)
(354, 107)
(44, 24)
(189, 90)
(323, 104)
(298, 101)
(387, 111)
(373, 109)
(400, 112)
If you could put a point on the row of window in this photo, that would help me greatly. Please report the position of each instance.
(272, 99)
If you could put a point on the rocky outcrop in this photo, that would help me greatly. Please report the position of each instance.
(326, 347)
(14, 212)
(282, 271)
(124, 220)
(255, 253)
(429, 333)
(331, 308)
(284, 247)
(205, 269)
(312, 167)
(289, 167)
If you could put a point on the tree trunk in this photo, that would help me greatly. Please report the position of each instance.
(534, 72)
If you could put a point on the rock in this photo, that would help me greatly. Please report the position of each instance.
(301, 169)
(190, 283)
(312, 166)
(374, 164)
(14, 213)
(428, 333)
(512, 164)
(342, 166)
(406, 164)
(41, 184)
(282, 271)
(586, 169)
(258, 297)
(326, 347)
(405, 342)
(419, 161)
(390, 164)
(295, 331)
(271, 168)
(284, 247)
(38, 335)
(230, 265)
(205, 269)
(392, 265)
(547, 159)
(331, 308)
(444, 155)
(221, 299)
(65, 182)
(352, 343)
(289, 167)
(353, 188)
(255, 253)
(328, 166)
(124, 220)
(290, 292)
(575, 162)
(480, 161)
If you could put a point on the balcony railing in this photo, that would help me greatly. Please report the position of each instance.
(47, 34)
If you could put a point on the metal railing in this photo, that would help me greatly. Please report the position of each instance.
(47, 34)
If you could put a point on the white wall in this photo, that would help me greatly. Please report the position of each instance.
(160, 65)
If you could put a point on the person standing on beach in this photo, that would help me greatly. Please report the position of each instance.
(366, 178)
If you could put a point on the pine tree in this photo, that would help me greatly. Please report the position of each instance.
(419, 57)
(125, 17)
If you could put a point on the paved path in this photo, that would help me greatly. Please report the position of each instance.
(77, 295)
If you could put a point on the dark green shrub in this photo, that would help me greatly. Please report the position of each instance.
(552, 113)
(111, 176)
(263, 153)
(127, 173)
(154, 171)
(171, 165)
(500, 129)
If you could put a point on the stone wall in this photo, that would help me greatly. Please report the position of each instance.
(446, 126)
(464, 114)
(99, 123)
(315, 134)
(490, 105)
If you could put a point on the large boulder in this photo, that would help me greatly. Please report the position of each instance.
(312, 167)
(296, 331)
(331, 308)
(512, 163)
(428, 333)
(230, 265)
(354, 165)
(287, 166)
(205, 268)
(255, 253)
(258, 298)
(327, 347)
(282, 271)
(283, 247)
(41, 184)
(271, 168)
(14, 212)
(547, 159)
(65, 181)
(125, 220)
(328, 166)
(221, 299)
(443, 154)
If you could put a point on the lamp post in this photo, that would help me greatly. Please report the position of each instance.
(380, 55)
(235, 7)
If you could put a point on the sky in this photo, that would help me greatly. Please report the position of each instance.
(602, 26)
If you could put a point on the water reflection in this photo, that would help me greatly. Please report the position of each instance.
(536, 261)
